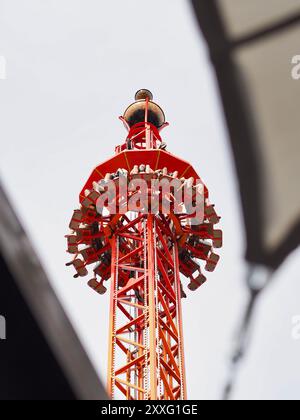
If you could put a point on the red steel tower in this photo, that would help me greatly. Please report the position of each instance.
(143, 252)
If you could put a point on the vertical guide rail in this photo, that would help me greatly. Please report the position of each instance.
(112, 320)
(157, 309)
(152, 308)
(146, 315)
(179, 325)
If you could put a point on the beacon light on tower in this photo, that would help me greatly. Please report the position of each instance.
(142, 250)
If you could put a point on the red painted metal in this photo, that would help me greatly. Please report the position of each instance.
(143, 255)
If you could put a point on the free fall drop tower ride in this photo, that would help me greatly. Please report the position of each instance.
(143, 252)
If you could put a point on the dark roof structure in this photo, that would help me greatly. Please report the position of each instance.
(252, 46)
(41, 356)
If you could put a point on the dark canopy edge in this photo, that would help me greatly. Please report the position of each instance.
(241, 129)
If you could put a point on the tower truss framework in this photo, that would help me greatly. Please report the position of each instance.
(145, 336)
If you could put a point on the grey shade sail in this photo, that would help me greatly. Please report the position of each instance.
(251, 46)
(41, 357)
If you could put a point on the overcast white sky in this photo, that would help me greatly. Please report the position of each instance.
(72, 68)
